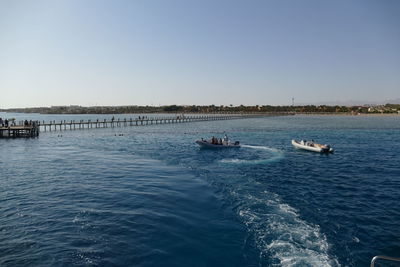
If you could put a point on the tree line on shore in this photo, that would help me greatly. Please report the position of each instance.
(388, 108)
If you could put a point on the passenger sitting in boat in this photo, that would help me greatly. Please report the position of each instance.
(220, 141)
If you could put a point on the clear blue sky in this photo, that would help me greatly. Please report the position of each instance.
(159, 52)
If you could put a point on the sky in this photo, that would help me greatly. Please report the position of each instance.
(187, 52)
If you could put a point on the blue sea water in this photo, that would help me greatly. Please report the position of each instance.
(148, 196)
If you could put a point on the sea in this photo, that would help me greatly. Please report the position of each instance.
(149, 196)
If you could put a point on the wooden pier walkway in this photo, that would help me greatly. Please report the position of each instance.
(37, 126)
(90, 124)
(15, 131)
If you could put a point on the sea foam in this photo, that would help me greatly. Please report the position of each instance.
(270, 155)
(281, 235)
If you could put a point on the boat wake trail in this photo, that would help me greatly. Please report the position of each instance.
(280, 234)
(265, 155)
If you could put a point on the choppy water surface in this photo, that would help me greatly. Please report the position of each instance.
(148, 196)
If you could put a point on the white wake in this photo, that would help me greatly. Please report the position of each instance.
(272, 155)
(280, 233)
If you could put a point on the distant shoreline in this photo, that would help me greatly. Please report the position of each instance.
(213, 109)
(221, 113)
(350, 114)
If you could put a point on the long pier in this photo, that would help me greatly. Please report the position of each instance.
(142, 121)
(34, 128)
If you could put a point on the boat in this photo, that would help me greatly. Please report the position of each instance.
(311, 146)
(217, 143)
(207, 144)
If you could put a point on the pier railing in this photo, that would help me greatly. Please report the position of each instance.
(142, 121)
(14, 130)
(32, 128)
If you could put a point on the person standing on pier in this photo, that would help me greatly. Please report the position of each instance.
(1, 122)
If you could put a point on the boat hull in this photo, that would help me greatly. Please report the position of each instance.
(316, 148)
(205, 144)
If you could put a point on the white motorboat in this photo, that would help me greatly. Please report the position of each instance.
(311, 146)
(217, 143)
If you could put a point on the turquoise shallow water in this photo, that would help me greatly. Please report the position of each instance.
(148, 196)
